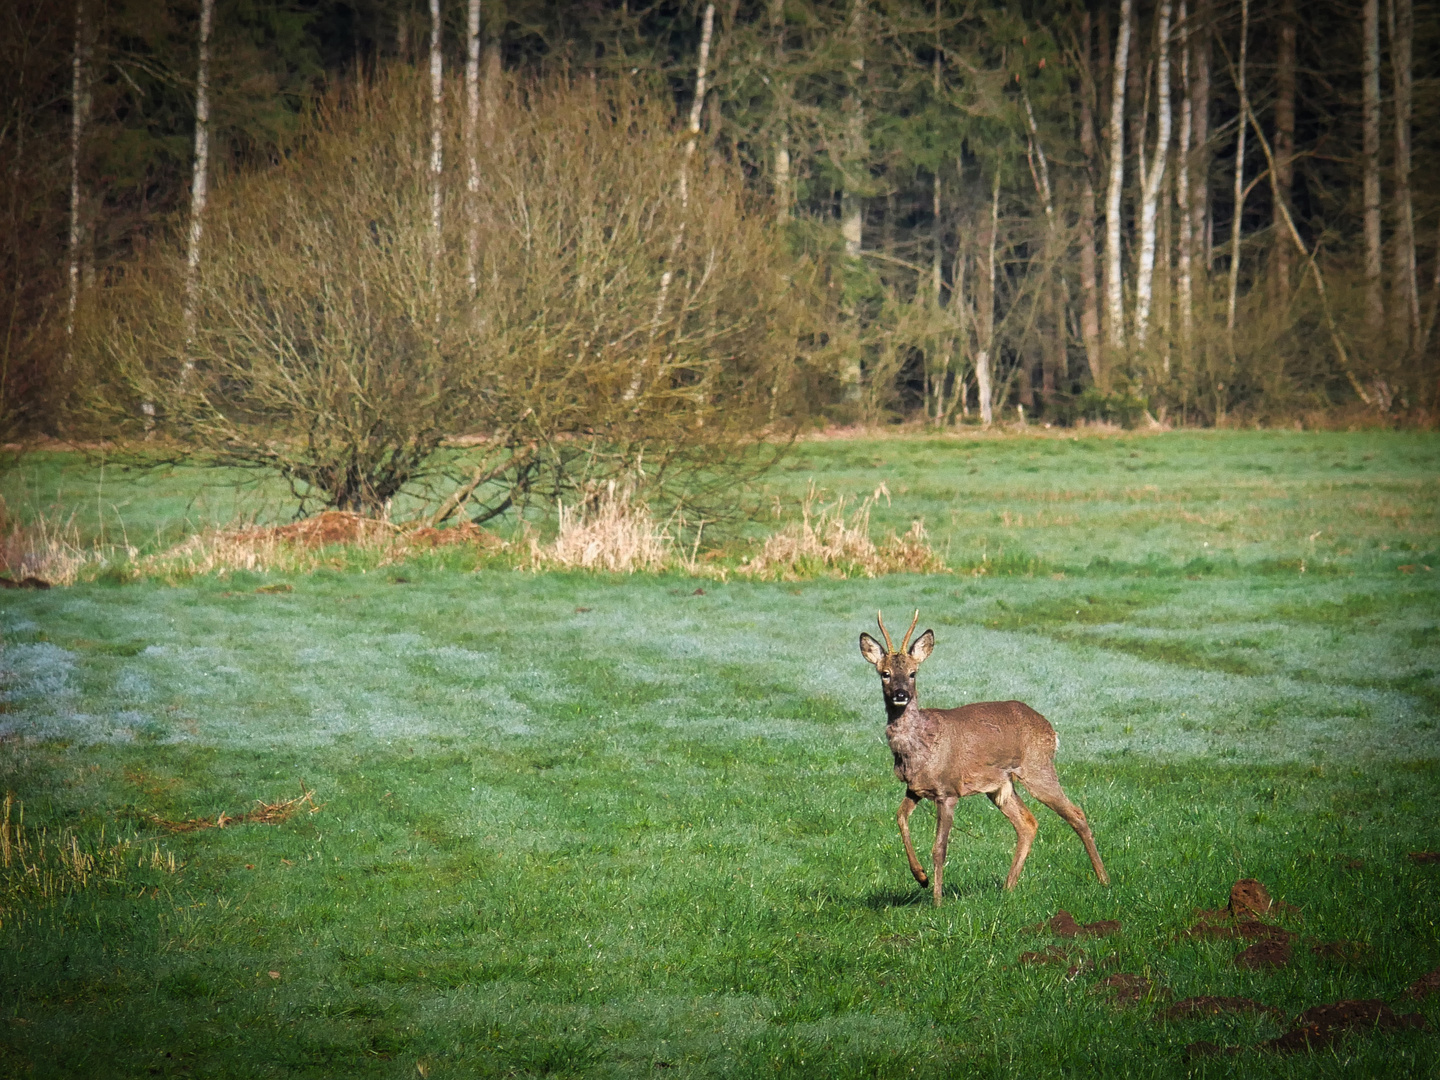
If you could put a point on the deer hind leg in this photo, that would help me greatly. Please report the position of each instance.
(1044, 784)
(907, 805)
(1008, 800)
(944, 818)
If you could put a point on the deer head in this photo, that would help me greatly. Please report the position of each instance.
(897, 667)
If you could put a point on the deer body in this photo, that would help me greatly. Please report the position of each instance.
(946, 754)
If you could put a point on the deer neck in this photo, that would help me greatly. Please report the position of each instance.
(899, 716)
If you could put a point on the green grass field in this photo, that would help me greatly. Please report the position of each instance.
(579, 825)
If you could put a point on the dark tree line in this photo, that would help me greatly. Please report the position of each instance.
(1215, 208)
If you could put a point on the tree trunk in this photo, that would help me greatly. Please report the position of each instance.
(199, 182)
(1199, 89)
(79, 114)
(490, 89)
(1185, 246)
(1232, 295)
(1089, 278)
(1402, 35)
(1374, 296)
(1114, 283)
(782, 121)
(1153, 182)
(852, 206)
(986, 328)
(1283, 259)
(472, 149)
(437, 146)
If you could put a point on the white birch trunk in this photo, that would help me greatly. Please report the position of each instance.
(987, 316)
(1402, 33)
(782, 94)
(1374, 297)
(199, 183)
(437, 146)
(79, 114)
(1114, 281)
(472, 150)
(1232, 295)
(1186, 239)
(1153, 181)
(1089, 270)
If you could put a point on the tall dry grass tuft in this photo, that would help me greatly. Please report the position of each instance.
(39, 869)
(828, 542)
(607, 530)
(46, 551)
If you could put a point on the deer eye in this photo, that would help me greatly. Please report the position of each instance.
(884, 675)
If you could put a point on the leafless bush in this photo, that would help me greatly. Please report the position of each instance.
(612, 324)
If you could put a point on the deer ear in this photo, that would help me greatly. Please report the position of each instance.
(920, 648)
(870, 649)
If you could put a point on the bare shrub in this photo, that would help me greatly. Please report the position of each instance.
(614, 322)
(829, 542)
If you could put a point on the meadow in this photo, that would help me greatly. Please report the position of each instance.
(572, 824)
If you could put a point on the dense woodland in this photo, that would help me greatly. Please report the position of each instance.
(1201, 211)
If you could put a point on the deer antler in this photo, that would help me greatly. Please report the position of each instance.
(913, 621)
(881, 620)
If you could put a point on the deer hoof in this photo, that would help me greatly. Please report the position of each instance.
(924, 880)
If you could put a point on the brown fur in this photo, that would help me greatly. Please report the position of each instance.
(946, 754)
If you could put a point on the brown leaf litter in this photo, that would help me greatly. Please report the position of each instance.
(1323, 1025)
(263, 814)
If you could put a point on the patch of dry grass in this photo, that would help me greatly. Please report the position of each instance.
(47, 551)
(829, 542)
(39, 869)
(607, 530)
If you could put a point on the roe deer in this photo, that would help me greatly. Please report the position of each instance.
(945, 754)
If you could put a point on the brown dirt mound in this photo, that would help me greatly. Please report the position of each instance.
(263, 814)
(1056, 956)
(1425, 856)
(1125, 988)
(1269, 952)
(1063, 924)
(1347, 952)
(1249, 930)
(329, 527)
(464, 533)
(1249, 898)
(1425, 985)
(24, 583)
(1324, 1024)
(1208, 1005)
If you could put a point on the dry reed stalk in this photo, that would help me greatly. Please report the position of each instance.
(826, 542)
(609, 530)
(44, 552)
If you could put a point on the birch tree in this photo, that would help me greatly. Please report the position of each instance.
(1185, 239)
(471, 138)
(1153, 180)
(855, 158)
(1374, 296)
(437, 147)
(1231, 296)
(79, 113)
(985, 315)
(199, 184)
(1401, 17)
(1089, 270)
(1283, 258)
(1114, 281)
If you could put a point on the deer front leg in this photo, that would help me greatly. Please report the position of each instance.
(907, 805)
(1010, 804)
(944, 818)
